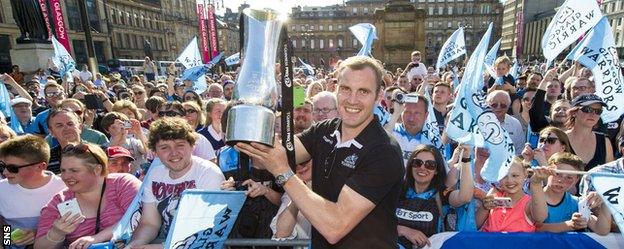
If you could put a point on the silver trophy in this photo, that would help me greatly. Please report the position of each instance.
(252, 119)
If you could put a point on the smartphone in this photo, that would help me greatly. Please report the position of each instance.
(583, 207)
(504, 202)
(127, 124)
(70, 206)
(533, 140)
(93, 102)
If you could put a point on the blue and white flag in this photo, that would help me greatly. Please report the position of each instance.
(7, 109)
(365, 33)
(455, 46)
(204, 218)
(572, 20)
(308, 70)
(471, 121)
(130, 220)
(195, 72)
(481, 240)
(430, 128)
(62, 59)
(190, 56)
(233, 59)
(514, 69)
(597, 52)
(610, 188)
(491, 57)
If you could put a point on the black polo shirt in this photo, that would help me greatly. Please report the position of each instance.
(371, 165)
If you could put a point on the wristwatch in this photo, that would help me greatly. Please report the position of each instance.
(281, 179)
(465, 160)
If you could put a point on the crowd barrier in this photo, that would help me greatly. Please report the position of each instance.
(481, 240)
(253, 243)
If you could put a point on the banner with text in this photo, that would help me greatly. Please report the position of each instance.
(43, 5)
(59, 24)
(212, 32)
(609, 187)
(454, 47)
(203, 30)
(597, 52)
(190, 56)
(572, 20)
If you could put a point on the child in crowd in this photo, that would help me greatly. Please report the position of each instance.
(523, 212)
(563, 210)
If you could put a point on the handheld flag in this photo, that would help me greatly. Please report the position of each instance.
(233, 59)
(7, 109)
(204, 218)
(491, 57)
(609, 187)
(62, 59)
(430, 129)
(597, 52)
(190, 56)
(309, 70)
(514, 69)
(365, 33)
(454, 47)
(573, 19)
(196, 74)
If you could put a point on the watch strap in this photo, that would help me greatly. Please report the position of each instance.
(281, 179)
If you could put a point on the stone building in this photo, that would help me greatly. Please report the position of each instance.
(614, 11)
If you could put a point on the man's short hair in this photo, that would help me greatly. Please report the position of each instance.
(57, 111)
(567, 158)
(27, 147)
(72, 100)
(154, 103)
(325, 94)
(415, 53)
(494, 93)
(442, 84)
(361, 62)
(170, 128)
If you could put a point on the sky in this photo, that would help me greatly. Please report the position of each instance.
(280, 5)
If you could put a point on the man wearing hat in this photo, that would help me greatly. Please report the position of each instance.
(23, 112)
(119, 159)
(413, 116)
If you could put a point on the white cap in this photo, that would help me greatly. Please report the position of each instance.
(20, 100)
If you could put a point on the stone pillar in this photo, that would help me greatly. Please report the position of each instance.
(31, 56)
(401, 30)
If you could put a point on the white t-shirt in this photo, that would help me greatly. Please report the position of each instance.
(514, 128)
(203, 148)
(21, 207)
(166, 192)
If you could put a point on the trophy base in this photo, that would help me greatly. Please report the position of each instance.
(250, 123)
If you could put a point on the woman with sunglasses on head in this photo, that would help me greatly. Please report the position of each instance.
(102, 199)
(213, 130)
(593, 147)
(423, 202)
(551, 140)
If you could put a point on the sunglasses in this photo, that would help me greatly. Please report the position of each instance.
(53, 94)
(14, 169)
(549, 140)
(588, 109)
(170, 114)
(498, 105)
(189, 111)
(429, 164)
(81, 149)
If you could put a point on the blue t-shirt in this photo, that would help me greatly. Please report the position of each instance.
(563, 210)
(40, 125)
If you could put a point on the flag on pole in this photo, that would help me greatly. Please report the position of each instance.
(514, 69)
(365, 33)
(430, 129)
(7, 109)
(204, 218)
(196, 74)
(190, 56)
(573, 19)
(62, 59)
(309, 70)
(454, 47)
(597, 52)
(233, 59)
(491, 57)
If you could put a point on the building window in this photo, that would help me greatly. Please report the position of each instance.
(303, 43)
(331, 43)
(354, 10)
(330, 27)
(340, 26)
(365, 11)
(321, 43)
(450, 10)
(321, 27)
(441, 10)
(355, 42)
(430, 24)
(431, 10)
(303, 28)
(294, 43)
(311, 43)
(340, 42)
(293, 28)
(312, 27)
(450, 24)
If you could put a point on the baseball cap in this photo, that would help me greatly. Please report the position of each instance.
(118, 151)
(587, 99)
(20, 100)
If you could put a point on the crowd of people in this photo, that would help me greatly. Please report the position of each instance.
(366, 176)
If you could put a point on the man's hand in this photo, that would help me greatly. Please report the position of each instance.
(272, 159)
(255, 189)
(540, 174)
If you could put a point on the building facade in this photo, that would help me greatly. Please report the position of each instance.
(614, 11)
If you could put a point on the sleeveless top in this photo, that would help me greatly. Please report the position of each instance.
(509, 219)
(599, 154)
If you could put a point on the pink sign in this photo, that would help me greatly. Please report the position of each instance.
(212, 30)
(44, 10)
(59, 24)
(203, 33)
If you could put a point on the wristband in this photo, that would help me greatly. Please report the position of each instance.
(465, 160)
